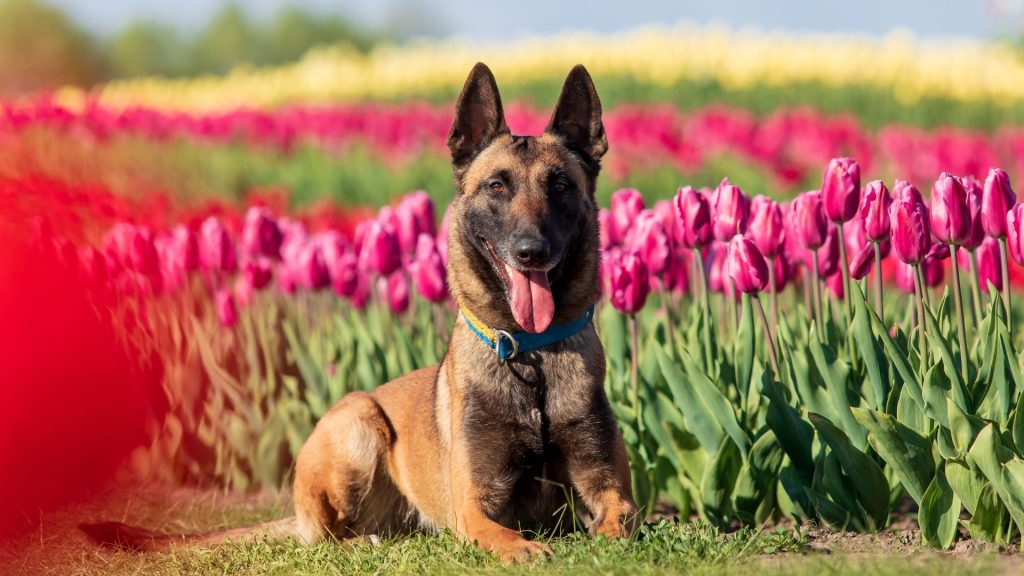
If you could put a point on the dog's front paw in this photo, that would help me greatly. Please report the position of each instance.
(619, 525)
(522, 550)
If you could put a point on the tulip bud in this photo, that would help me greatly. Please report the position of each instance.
(626, 206)
(905, 277)
(227, 313)
(427, 270)
(989, 264)
(933, 272)
(828, 254)
(911, 236)
(414, 215)
(216, 249)
(974, 192)
(835, 285)
(862, 262)
(840, 189)
(718, 275)
(647, 238)
(730, 210)
(784, 272)
(1015, 236)
(950, 214)
(395, 289)
(746, 265)
(628, 283)
(996, 201)
(807, 222)
(261, 235)
(874, 210)
(904, 189)
(309, 269)
(380, 250)
(767, 228)
(694, 216)
(258, 272)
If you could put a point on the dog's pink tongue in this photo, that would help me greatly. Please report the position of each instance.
(530, 298)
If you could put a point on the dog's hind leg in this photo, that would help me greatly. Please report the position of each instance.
(340, 468)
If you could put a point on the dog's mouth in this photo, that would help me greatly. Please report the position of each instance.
(528, 292)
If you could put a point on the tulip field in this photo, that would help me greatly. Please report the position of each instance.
(811, 315)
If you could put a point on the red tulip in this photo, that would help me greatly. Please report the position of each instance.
(648, 239)
(427, 270)
(380, 250)
(1015, 236)
(996, 201)
(626, 206)
(807, 221)
(730, 209)
(840, 189)
(216, 249)
(874, 210)
(258, 272)
(261, 235)
(309, 269)
(628, 283)
(767, 226)
(694, 216)
(746, 265)
(414, 216)
(227, 313)
(974, 192)
(904, 189)
(950, 214)
(911, 237)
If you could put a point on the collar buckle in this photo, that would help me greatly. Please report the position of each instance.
(498, 336)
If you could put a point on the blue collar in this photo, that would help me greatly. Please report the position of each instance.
(507, 346)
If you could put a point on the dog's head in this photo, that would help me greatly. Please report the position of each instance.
(523, 235)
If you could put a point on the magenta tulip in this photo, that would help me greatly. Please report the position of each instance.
(905, 277)
(828, 254)
(427, 270)
(911, 236)
(1015, 236)
(746, 265)
(380, 250)
(395, 291)
(904, 189)
(997, 199)
(309, 268)
(834, 284)
(840, 189)
(694, 214)
(950, 213)
(718, 275)
(874, 210)
(806, 221)
(414, 215)
(989, 264)
(258, 272)
(784, 272)
(261, 235)
(626, 205)
(227, 313)
(730, 209)
(184, 249)
(974, 193)
(216, 249)
(628, 283)
(767, 226)
(862, 262)
(648, 239)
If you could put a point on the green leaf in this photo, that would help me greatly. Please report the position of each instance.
(699, 420)
(793, 433)
(718, 481)
(743, 347)
(940, 512)
(757, 477)
(871, 486)
(898, 360)
(870, 349)
(964, 427)
(966, 481)
(835, 372)
(988, 521)
(906, 451)
(949, 364)
(711, 401)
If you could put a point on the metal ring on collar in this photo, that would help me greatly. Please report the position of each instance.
(498, 335)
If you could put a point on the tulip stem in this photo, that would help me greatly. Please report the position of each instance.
(919, 296)
(733, 311)
(816, 292)
(705, 302)
(774, 297)
(961, 326)
(1006, 281)
(634, 375)
(878, 282)
(975, 288)
(772, 356)
(844, 266)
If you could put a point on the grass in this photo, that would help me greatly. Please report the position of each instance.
(664, 547)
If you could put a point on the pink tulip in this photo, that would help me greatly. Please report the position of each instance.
(1015, 236)
(806, 221)
(746, 266)
(626, 206)
(216, 249)
(933, 272)
(784, 272)
(666, 213)
(904, 189)
(874, 210)
(828, 254)
(261, 235)
(414, 215)
(258, 272)
(989, 264)
(862, 263)
(996, 201)
(604, 225)
(974, 192)
(227, 313)
(950, 214)
(694, 216)
(677, 278)
(628, 283)
(309, 269)
(718, 275)
(344, 272)
(834, 284)
(647, 238)
(427, 270)
(911, 236)
(840, 189)
(905, 277)
(184, 249)
(395, 290)
(767, 226)
(380, 250)
(730, 209)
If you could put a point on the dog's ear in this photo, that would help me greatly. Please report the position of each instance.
(577, 117)
(479, 118)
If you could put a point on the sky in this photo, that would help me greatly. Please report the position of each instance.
(491, 21)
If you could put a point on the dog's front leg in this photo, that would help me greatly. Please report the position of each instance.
(600, 475)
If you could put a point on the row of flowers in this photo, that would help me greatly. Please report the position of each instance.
(908, 68)
(790, 143)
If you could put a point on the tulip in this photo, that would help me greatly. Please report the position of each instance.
(862, 262)
(911, 236)
(414, 215)
(604, 226)
(834, 284)
(184, 249)
(427, 270)
(718, 276)
(766, 226)
(950, 213)
(989, 265)
(746, 266)
(216, 250)
(243, 291)
(905, 278)
(730, 209)
(840, 189)
(626, 206)
(380, 250)
(648, 239)
(807, 221)
(874, 211)
(997, 199)
(666, 214)
(344, 273)
(933, 273)
(258, 272)
(395, 291)
(227, 313)
(628, 282)
(904, 189)
(974, 192)
(1015, 235)
(828, 255)
(783, 272)
(261, 235)
(694, 216)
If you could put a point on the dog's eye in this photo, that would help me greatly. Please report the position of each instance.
(559, 187)
(497, 187)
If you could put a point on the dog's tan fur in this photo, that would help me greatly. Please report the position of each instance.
(471, 445)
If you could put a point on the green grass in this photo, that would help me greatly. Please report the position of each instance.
(665, 547)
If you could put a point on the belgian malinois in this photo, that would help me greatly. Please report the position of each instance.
(514, 423)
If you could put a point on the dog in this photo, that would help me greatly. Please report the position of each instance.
(513, 428)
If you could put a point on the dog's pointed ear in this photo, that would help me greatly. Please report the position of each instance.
(479, 118)
(577, 117)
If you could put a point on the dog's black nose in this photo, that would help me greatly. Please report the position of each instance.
(532, 250)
